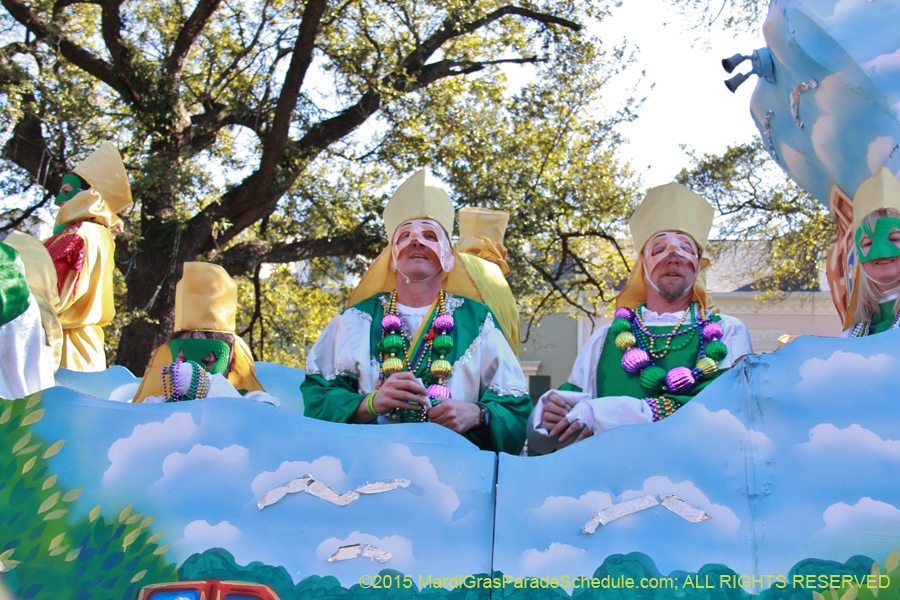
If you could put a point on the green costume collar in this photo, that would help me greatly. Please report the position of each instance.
(198, 349)
(879, 231)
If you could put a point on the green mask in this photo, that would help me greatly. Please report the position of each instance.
(196, 350)
(881, 246)
(73, 180)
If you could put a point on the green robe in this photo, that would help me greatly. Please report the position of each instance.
(613, 380)
(881, 322)
(333, 392)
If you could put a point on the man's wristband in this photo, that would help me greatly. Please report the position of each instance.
(370, 406)
(485, 422)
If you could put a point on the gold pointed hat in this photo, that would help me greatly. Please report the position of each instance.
(418, 198)
(881, 190)
(205, 299)
(669, 207)
(105, 171)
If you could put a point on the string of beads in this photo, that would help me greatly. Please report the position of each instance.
(641, 350)
(436, 342)
(864, 328)
(173, 376)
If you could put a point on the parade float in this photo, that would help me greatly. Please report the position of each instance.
(778, 481)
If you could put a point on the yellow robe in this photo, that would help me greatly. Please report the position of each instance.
(85, 293)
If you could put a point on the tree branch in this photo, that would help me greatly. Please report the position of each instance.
(77, 55)
(290, 89)
(451, 29)
(450, 68)
(28, 149)
(188, 35)
(246, 256)
(207, 125)
(257, 195)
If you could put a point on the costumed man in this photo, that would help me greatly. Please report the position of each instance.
(665, 343)
(82, 250)
(205, 358)
(26, 362)
(417, 343)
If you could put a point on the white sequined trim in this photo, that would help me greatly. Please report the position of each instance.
(376, 367)
(462, 360)
(330, 377)
(509, 391)
(360, 314)
(453, 302)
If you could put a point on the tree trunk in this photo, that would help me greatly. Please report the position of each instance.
(151, 290)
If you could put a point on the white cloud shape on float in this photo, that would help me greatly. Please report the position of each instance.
(880, 150)
(587, 504)
(200, 536)
(146, 440)
(420, 471)
(398, 546)
(726, 424)
(826, 438)
(843, 369)
(326, 469)
(883, 62)
(556, 557)
(866, 516)
(206, 460)
(827, 125)
(798, 165)
(722, 517)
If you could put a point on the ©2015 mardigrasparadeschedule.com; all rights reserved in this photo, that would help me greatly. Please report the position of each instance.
(397, 581)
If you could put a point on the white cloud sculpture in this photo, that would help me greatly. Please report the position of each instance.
(867, 516)
(825, 438)
(200, 536)
(843, 369)
(420, 471)
(147, 440)
(227, 463)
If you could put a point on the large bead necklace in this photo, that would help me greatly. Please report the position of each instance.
(864, 328)
(436, 341)
(641, 349)
(174, 376)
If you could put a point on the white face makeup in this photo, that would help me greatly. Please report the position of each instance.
(671, 263)
(427, 236)
(667, 243)
(424, 231)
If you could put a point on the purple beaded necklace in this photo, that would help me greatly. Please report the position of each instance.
(436, 340)
(638, 346)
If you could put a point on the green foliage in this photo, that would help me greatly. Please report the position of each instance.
(711, 582)
(882, 583)
(51, 552)
(758, 204)
(546, 154)
(223, 127)
(280, 317)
